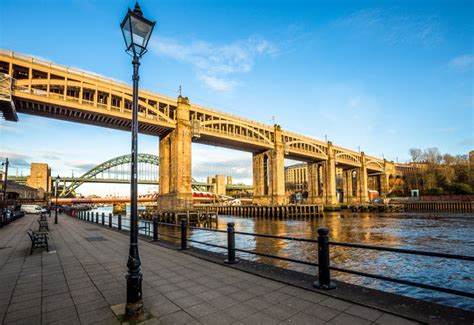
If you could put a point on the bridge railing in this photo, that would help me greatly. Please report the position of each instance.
(80, 73)
(151, 229)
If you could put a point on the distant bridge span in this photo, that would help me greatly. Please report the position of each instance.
(115, 166)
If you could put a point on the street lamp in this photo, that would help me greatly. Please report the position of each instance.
(56, 193)
(136, 33)
(5, 201)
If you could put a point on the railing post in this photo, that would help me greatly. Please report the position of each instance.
(230, 244)
(103, 218)
(155, 229)
(324, 278)
(119, 226)
(184, 235)
(110, 220)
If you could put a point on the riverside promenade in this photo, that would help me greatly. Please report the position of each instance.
(83, 277)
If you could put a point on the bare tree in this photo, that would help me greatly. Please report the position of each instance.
(416, 154)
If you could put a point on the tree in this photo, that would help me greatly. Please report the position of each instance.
(416, 154)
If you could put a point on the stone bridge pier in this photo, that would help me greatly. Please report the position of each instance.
(175, 162)
(269, 173)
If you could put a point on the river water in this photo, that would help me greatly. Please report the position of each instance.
(437, 232)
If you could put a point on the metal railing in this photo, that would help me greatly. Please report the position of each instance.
(152, 229)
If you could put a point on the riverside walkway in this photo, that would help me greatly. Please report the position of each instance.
(83, 276)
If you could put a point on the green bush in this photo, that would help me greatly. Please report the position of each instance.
(434, 191)
(461, 188)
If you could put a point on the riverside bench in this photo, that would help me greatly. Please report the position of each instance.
(38, 240)
(43, 225)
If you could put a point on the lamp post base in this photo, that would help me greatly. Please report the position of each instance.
(134, 312)
(134, 306)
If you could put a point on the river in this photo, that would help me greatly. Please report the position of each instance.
(437, 232)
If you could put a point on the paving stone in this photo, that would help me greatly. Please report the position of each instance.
(33, 320)
(334, 303)
(302, 318)
(261, 318)
(188, 301)
(162, 309)
(176, 294)
(322, 312)
(223, 302)
(387, 319)
(23, 313)
(91, 305)
(97, 315)
(240, 311)
(24, 304)
(68, 313)
(179, 317)
(219, 318)
(364, 312)
(281, 311)
(343, 319)
(47, 307)
(201, 310)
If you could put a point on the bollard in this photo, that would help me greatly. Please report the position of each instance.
(88, 213)
(103, 218)
(230, 244)
(155, 229)
(184, 235)
(110, 220)
(119, 226)
(324, 281)
(97, 217)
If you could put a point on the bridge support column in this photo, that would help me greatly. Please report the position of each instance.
(175, 163)
(389, 169)
(362, 181)
(330, 177)
(269, 173)
(313, 182)
(347, 176)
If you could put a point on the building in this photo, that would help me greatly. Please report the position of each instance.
(296, 177)
(17, 192)
(40, 179)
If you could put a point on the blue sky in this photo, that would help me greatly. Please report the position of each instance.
(382, 75)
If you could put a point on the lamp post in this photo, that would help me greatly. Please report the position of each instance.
(5, 202)
(56, 193)
(136, 33)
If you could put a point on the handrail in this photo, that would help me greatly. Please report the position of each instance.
(404, 251)
(277, 237)
(405, 282)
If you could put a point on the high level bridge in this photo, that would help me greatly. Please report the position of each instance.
(33, 86)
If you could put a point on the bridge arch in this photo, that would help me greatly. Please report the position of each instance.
(111, 163)
(344, 156)
(317, 150)
(375, 163)
(249, 129)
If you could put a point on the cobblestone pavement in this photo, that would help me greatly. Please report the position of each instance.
(84, 274)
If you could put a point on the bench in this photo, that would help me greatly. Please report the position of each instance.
(38, 240)
(43, 225)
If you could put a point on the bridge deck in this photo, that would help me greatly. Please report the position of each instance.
(84, 275)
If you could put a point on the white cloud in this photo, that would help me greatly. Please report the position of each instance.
(393, 28)
(219, 84)
(216, 64)
(462, 62)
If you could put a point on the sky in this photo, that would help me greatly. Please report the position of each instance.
(382, 76)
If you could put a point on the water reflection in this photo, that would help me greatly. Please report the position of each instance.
(448, 233)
